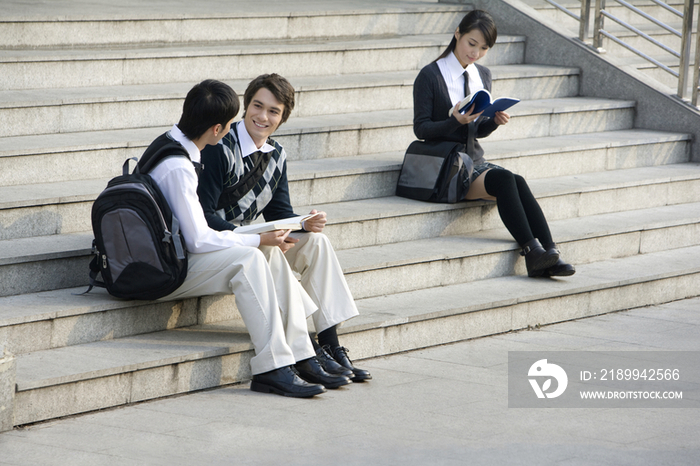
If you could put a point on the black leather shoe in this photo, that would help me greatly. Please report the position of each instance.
(340, 354)
(537, 259)
(311, 371)
(329, 364)
(285, 381)
(560, 268)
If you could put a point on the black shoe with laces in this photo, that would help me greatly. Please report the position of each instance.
(311, 371)
(323, 354)
(340, 354)
(285, 381)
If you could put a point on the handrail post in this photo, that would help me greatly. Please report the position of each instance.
(585, 20)
(687, 39)
(598, 25)
(696, 65)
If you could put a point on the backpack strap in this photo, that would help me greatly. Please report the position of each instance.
(171, 149)
(94, 267)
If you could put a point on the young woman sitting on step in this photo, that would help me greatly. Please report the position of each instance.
(439, 87)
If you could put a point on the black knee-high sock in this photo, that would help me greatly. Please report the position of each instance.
(535, 216)
(329, 337)
(500, 183)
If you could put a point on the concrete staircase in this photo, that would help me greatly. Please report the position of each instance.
(80, 95)
(621, 54)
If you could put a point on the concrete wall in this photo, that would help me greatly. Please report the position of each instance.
(601, 76)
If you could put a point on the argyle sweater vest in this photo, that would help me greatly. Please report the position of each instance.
(251, 205)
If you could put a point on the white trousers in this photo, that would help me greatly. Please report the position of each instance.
(274, 310)
(314, 259)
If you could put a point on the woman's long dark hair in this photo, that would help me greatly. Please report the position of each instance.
(475, 19)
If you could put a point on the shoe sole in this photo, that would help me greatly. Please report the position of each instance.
(339, 384)
(566, 273)
(264, 388)
(361, 378)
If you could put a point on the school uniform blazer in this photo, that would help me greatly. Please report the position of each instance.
(432, 104)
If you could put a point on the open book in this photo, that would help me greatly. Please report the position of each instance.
(483, 102)
(293, 223)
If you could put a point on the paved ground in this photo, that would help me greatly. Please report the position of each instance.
(440, 406)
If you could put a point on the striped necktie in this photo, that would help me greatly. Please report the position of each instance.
(251, 160)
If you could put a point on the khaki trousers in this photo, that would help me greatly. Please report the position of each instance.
(274, 310)
(314, 259)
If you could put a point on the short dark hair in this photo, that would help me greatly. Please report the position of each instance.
(280, 88)
(475, 19)
(209, 103)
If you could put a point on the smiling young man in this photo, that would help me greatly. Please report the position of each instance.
(245, 176)
(224, 262)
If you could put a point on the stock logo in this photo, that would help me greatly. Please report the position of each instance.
(544, 370)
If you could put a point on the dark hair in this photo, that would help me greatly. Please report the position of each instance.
(280, 88)
(207, 104)
(475, 19)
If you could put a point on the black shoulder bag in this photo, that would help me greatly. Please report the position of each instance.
(435, 171)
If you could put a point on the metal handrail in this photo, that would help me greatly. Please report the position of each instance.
(583, 18)
(683, 56)
(639, 33)
(668, 7)
(686, 34)
(696, 74)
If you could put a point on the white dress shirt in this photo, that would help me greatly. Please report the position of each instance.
(246, 142)
(453, 73)
(177, 179)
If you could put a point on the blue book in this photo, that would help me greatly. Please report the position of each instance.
(483, 102)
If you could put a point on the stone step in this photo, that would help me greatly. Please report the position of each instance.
(68, 68)
(61, 260)
(387, 220)
(585, 153)
(64, 207)
(449, 260)
(66, 317)
(293, 20)
(81, 109)
(100, 154)
(52, 319)
(81, 378)
(366, 176)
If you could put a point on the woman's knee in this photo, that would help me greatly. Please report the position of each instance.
(499, 180)
(521, 183)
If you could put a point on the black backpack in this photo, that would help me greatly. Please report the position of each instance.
(435, 171)
(138, 247)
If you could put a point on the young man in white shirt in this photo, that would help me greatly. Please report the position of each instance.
(245, 176)
(226, 262)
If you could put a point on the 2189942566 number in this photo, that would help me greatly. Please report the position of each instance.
(637, 374)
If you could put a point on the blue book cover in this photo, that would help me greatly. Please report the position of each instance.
(483, 102)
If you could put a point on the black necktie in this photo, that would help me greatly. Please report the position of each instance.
(466, 84)
(471, 126)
